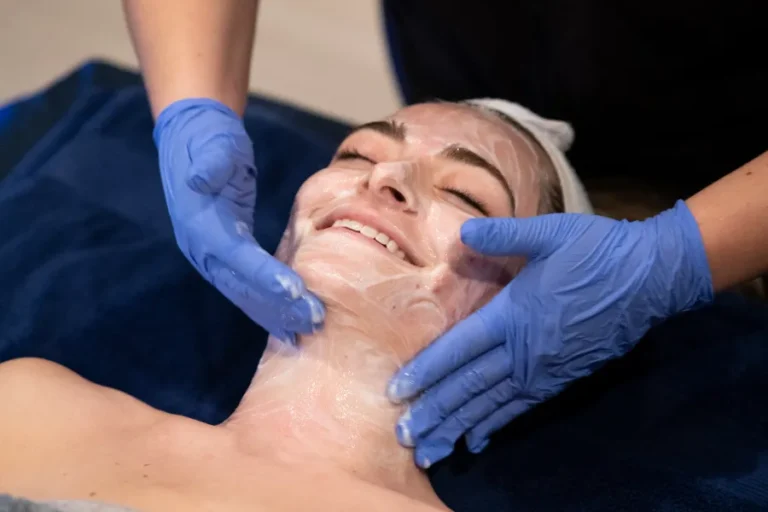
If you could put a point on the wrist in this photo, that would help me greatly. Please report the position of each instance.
(185, 85)
(231, 99)
(186, 108)
(680, 261)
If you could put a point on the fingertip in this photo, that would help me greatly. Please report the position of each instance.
(392, 392)
(477, 446)
(403, 433)
(306, 314)
(426, 456)
(401, 388)
(298, 318)
(472, 439)
(290, 283)
(484, 234)
(285, 337)
(200, 185)
(468, 230)
(316, 309)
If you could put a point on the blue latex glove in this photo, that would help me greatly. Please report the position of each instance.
(209, 179)
(592, 287)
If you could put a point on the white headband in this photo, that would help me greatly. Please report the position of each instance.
(555, 137)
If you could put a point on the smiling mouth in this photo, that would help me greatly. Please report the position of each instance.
(382, 239)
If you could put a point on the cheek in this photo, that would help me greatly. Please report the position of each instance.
(462, 280)
(462, 290)
(325, 185)
(443, 223)
(320, 190)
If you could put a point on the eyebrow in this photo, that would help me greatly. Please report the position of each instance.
(454, 152)
(390, 128)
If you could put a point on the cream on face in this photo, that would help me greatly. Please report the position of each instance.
(411, 186)
(376, 235)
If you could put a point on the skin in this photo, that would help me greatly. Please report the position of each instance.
(732, 215)
(193, 49)
(315, 419)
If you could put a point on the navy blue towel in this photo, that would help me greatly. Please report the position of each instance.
(90, 277)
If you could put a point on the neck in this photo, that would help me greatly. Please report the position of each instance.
(325, 402)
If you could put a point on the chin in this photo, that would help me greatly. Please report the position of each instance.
(329, 256)
(343, 276)
(392, 296)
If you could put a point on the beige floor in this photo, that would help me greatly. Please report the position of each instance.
(326, 55)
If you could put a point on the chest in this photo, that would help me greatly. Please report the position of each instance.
(135, 474)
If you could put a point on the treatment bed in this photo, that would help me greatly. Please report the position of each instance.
(90, 277)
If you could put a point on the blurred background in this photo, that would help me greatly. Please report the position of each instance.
(325, 55)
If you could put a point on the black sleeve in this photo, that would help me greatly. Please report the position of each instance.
(670, 92)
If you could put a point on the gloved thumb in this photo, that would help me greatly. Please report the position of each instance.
(213, 167)
(532, 237)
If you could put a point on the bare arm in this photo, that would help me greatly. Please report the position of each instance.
(733, 217)
(193, 48)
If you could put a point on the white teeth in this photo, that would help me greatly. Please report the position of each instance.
(369, 232)
(372, 233)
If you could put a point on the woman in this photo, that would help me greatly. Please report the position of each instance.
(615, 72)
(375, 235)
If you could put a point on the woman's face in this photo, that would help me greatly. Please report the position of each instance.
(377, 232)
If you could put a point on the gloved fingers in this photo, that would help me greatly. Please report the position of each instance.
(265, 273)
(283, 335)
(452, 393)
(467, 340)
(479, 447)
(532, 237)
(213, 166)
(273, 307)
(432, 451)
(439, 443)
(477, 437)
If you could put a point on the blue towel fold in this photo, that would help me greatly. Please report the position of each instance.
(91, 278)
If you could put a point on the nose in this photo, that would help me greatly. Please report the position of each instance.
(392, 183)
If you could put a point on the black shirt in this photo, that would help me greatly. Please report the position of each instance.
(672, 90)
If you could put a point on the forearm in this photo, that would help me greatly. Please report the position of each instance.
(193, 48)
(733, 218)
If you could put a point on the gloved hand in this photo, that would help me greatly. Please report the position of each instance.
(209, 179)
(591, 288)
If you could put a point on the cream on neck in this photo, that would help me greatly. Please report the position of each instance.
(324, 403)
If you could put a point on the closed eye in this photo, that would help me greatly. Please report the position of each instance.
(469, 199)
(352, 154)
